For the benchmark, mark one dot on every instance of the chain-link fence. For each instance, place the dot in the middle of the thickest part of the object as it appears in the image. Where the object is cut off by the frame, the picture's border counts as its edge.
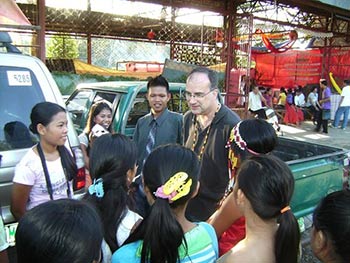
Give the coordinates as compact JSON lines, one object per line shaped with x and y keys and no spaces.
{"x":111,"y":39}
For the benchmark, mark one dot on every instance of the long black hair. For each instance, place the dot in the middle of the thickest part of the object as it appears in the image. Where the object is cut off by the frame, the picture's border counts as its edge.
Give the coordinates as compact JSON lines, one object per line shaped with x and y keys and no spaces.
{"x":268,"y":184}
{"x":42,"y":113}
{"x":332,"y":216}
{"x":95,"y":110}
{"x":64,"y":230}
{"x":111,"y":156}
{"x":160,"y":231}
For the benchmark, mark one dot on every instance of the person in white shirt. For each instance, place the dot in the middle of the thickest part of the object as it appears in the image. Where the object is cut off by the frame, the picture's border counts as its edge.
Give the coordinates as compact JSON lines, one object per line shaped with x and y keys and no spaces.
{"x":312,"y":104}
{"x":299,"y":99}
{"x":344,"y":106}
{"x":40,"y":179}
{"x":255,"y":103}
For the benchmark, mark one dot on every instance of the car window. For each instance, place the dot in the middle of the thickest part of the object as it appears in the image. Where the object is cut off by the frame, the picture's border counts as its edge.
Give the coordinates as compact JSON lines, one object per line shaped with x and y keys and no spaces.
{"x":78,"y":106}
{"x":107,"y":97}
{"x":19,"y":92}
{"x":178,"y":103}
{"x":139,"y":109}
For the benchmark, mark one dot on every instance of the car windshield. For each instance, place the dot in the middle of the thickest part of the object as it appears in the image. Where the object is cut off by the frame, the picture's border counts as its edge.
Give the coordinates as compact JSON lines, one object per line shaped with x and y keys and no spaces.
{"x":19,"y":92}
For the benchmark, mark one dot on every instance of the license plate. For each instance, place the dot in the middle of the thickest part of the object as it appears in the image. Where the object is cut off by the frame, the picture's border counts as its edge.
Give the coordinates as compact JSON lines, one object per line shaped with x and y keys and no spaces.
{"x":10,"y":233}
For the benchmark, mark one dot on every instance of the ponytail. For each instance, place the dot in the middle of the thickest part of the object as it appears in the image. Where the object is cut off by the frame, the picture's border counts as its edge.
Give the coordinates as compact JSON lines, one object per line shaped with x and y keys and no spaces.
{"x":268,"y":184}
{"x":163,"y":234}
{"x":111,"y":204}
{"x":111,"y":157}
{"x":287,"y":238}
{"x":171,"y":185}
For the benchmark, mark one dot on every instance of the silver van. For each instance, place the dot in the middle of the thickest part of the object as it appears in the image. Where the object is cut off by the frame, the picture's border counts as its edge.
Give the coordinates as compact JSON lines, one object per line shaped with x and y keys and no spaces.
{"x":24,"y":81}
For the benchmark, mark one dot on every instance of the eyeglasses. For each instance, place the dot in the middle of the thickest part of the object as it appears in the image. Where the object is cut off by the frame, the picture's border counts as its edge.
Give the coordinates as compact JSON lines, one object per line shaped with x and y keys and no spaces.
{"x":196,"y":95}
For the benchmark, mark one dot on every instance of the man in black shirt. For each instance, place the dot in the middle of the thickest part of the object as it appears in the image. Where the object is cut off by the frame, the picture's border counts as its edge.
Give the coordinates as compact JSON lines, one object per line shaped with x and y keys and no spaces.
{"x":207,"y":129}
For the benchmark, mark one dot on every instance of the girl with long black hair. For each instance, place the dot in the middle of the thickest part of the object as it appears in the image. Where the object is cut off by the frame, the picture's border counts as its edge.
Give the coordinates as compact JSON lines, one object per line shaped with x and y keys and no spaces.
{"x":170,"y":176}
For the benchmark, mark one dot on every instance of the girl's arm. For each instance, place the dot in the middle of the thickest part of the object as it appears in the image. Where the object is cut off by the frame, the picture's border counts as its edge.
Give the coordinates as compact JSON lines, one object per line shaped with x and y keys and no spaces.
{"x":225,"y":216}
{"x":19,"y":199}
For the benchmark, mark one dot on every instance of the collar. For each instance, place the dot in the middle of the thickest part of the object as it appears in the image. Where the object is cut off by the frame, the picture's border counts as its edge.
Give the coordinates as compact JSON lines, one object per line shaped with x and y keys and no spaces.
{"x":220,"y":114}
{"x":160,"y":119}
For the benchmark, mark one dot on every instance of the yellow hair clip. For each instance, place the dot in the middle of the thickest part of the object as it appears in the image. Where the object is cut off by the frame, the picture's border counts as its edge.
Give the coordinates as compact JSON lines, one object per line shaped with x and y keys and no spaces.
{"x":176,"y":187}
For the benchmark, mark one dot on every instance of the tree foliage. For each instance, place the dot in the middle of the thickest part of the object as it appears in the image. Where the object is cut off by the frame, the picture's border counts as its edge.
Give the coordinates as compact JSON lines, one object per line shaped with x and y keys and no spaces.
{"x":62,"y":47}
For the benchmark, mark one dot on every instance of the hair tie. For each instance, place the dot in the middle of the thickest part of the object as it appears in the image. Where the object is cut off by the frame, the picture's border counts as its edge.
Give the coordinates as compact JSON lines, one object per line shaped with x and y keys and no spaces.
{"x":97,"y":188}
{"x":285,"y":209}
{"x":176,"y":187}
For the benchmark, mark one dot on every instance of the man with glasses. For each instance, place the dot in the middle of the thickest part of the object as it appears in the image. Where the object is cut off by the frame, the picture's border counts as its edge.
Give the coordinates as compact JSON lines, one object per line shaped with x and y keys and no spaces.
{"x":207,"y":129}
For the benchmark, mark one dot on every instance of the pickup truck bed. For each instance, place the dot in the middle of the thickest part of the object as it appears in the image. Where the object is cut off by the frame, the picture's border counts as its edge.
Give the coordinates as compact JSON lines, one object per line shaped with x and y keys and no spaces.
{"x":318,"y":170}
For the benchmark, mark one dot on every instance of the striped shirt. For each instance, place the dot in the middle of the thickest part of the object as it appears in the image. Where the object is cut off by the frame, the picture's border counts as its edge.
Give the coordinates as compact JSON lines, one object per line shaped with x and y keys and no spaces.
{"x":202,"y":247}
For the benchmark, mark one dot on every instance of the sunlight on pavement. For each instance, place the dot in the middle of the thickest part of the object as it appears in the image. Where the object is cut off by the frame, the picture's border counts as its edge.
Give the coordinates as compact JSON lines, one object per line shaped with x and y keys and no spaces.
{"x":316,"y":136}
{"x":291,"y":130}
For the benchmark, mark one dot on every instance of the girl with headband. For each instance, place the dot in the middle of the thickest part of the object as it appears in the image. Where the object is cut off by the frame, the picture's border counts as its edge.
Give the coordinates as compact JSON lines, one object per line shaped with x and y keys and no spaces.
{"x":263,"y":190}
{"x":170,"y":176}
{"x":250,"y":137}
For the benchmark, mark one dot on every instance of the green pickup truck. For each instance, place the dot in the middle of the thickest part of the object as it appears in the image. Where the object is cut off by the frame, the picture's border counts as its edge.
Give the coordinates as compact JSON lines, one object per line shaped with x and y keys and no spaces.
{"x":318,"y":169}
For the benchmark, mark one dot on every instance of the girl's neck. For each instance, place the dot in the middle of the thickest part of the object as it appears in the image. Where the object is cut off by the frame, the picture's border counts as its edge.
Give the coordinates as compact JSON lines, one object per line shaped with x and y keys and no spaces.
{"x":257,"y":227}
{"x":50,"y":151}
{"x":260,"y":238}
{"x":261,"y":231}
{"x":181,"y":218}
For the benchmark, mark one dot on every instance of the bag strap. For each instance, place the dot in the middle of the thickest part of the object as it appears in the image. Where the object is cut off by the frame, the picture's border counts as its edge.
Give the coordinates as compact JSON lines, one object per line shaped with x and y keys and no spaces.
{"x":64,"y":166}
{"x":47,"y":177}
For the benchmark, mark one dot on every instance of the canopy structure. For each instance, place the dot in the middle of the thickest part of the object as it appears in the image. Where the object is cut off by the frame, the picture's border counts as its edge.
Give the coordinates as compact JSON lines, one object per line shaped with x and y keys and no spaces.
{"x":11,"y":14}
{"x":327,"y":22}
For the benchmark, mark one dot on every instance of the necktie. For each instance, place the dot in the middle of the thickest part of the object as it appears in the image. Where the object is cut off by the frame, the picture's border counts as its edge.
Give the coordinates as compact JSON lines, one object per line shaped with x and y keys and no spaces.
{"x":151,"y":138}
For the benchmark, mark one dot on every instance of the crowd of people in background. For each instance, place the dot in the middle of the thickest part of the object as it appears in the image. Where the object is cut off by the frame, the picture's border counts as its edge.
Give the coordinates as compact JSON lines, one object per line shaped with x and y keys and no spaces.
{"x":203,"y":187}
{"x":296,"y":104}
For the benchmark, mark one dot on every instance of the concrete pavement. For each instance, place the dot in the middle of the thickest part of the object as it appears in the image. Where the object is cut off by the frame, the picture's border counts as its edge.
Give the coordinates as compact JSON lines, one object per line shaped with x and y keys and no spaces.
{"x":305,"y":132}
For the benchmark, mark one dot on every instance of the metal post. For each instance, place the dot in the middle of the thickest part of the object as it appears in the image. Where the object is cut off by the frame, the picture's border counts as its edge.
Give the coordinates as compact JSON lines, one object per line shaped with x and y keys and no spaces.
{"x":89,"y":49}
{"x":172,"y":33}
{"x":89,"y":42}
{"x":202,"y":40}
{"x":231,"y":17}
{"x":41,"y":32}
{"x":249,"y":60}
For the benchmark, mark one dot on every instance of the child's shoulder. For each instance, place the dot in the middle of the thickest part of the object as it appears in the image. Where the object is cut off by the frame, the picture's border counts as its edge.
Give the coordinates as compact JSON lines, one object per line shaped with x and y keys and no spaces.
{"x":128,"y":253}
